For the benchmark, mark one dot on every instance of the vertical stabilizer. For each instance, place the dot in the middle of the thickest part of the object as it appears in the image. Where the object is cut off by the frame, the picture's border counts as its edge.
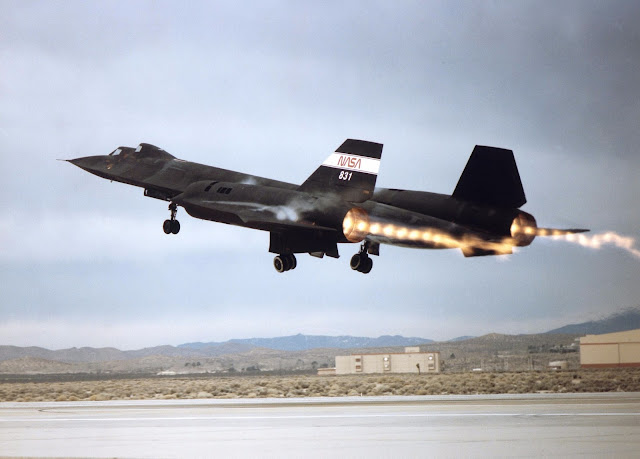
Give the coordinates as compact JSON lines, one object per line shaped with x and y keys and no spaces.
{"x":491,"y":178}
{"x":350,"y":172}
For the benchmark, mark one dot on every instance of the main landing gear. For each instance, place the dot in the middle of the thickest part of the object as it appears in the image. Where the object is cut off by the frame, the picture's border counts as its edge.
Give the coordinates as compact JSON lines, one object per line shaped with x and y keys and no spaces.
{"x":361,"y":261}
{"x":172,"y":226}
{"x":284,"y":263}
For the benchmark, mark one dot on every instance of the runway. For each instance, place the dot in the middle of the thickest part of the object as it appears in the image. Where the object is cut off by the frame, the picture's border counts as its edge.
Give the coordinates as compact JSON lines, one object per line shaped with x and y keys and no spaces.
{"x":591,"y":425}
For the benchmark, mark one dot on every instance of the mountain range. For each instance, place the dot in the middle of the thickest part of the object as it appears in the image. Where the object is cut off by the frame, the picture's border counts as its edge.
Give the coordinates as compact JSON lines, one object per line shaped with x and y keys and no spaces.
{"x":297,"y":342}
{"x":302,"y":342}
{"x":625,"y":320}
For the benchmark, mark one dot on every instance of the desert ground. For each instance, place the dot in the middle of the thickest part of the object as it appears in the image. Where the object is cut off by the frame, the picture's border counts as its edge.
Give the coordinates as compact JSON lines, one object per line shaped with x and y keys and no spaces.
{"x":255,"y":386}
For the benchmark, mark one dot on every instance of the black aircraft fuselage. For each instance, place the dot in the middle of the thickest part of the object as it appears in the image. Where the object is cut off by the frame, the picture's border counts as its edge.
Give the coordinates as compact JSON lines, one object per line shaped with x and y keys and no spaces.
{"x":339,"y":203}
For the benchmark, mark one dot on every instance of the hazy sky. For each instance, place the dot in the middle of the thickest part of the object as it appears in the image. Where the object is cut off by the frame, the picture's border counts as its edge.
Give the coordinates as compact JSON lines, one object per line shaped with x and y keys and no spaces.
{"x":272,"y":88}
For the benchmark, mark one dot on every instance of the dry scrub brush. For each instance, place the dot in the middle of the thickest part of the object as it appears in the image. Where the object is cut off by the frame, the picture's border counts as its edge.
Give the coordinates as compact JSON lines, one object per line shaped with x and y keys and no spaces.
{"x":627,"y":380}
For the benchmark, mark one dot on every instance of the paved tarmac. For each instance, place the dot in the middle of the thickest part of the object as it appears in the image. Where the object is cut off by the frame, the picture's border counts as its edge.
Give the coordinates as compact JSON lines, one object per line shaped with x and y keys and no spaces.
{"x":559,"y":425}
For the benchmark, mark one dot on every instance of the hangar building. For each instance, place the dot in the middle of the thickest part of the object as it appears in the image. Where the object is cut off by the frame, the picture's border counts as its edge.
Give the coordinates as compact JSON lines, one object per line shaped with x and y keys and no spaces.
{"x":411,"y":361}
{"x":621,"y":349}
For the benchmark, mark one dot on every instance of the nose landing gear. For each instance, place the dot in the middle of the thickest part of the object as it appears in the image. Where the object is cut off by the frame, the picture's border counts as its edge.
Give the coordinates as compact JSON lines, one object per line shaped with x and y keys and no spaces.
{"x":172,"y":226}
{"x":284,"y":263}
{"x":361,"y":261}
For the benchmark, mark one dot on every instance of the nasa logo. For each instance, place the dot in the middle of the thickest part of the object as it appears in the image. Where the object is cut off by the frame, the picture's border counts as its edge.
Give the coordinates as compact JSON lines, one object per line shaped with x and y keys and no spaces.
{"x":350,"y":161}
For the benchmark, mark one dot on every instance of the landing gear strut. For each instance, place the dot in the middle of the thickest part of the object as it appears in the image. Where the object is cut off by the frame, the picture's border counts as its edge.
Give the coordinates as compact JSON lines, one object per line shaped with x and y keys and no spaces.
{"x":360,"y":261}
{"x":172,"y":226}
{"x":284,"y":263}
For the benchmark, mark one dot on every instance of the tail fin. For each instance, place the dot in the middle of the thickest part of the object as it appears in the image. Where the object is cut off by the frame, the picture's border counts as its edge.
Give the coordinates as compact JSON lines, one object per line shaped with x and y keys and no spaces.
{"x":350,"y":172}
{"x":491,"y":177}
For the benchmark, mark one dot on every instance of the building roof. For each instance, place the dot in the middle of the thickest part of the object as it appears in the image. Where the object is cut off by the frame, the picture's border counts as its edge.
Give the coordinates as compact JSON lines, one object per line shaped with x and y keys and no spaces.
{"x":394,"y":353}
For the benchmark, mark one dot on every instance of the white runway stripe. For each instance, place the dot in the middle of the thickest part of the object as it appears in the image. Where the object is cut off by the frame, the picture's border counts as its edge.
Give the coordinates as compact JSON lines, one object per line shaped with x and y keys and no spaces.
{"x":322,"y":416}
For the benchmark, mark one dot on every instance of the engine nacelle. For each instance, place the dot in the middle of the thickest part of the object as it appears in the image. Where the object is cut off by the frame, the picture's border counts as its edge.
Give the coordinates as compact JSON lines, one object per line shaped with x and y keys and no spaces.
{"x":355,"y":225}
{"x":523,"y":229}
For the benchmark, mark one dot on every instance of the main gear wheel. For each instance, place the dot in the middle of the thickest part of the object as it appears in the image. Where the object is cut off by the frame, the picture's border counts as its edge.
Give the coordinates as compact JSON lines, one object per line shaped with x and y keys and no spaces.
{"x":361,"y":261}
{"x":172,"y":226}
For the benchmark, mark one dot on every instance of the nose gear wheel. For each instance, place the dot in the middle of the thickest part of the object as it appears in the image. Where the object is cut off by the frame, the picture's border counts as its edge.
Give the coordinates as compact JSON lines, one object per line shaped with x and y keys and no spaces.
{"x":284,"y":263}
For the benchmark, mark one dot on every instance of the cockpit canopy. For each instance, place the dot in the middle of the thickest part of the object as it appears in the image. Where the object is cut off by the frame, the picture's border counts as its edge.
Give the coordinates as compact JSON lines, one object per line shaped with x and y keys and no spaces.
{"x":144,"y":150}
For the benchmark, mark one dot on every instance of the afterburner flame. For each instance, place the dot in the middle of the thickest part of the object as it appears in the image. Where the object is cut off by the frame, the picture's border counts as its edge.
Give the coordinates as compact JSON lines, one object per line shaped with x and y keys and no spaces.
{"x":597,"y":241}
{"x":355,"y":225}
{"x":523,"y":229}
{"x":430,"y":236}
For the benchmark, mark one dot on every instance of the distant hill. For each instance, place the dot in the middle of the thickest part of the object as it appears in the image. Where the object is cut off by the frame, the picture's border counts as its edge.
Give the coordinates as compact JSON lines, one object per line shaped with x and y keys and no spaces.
{"x":628,"y":319}
{"x":83,"y":354}
{"x":460,"y":338}
{"x":493,"y":352}
{"x":34,"y":365}
{"x":497,"y":342}
{"x":302,"y":342}
{"x":302,"y":351}
{"x":90,"y":354}
{"x":207,"y":350}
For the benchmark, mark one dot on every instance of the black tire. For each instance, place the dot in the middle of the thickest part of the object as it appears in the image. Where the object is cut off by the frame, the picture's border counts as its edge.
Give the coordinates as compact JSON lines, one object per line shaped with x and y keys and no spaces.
{"x":366,"y":266}
{"x":175,"y":226}
{"x":286,"y":259}
{"x":166,"y":227}
{"x":356,"y":262}
{"x":293,"y":261}
{"x":279,"y":264}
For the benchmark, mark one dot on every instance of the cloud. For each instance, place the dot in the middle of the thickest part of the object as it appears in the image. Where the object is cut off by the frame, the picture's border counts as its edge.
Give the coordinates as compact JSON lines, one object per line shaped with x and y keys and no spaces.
{"x":273,"y":93}
{"x":98,"y":236}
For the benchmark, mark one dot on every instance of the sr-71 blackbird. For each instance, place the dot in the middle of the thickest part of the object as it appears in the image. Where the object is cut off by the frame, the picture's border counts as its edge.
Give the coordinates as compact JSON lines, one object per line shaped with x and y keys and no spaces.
{"x":339,"y":203}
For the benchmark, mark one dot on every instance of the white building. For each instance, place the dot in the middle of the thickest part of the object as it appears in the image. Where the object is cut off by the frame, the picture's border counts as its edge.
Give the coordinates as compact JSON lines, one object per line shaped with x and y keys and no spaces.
{"x":621,"y":349}
{"x":411,"y":361}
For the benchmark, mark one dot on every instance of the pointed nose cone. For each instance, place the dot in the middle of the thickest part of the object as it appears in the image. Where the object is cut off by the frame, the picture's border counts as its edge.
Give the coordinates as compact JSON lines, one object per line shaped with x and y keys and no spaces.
{"x":80,"y":162}
{"x":94,"y":164}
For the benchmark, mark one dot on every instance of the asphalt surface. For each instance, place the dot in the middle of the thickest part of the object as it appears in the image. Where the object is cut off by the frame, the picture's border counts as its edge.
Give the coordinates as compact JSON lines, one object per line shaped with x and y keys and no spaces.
{"x":559,"y":425}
